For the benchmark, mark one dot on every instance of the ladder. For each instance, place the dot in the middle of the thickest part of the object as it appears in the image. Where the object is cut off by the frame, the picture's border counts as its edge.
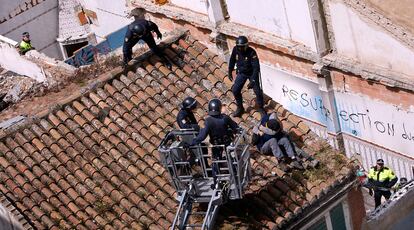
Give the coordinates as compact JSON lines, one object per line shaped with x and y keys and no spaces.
{"x":184,"y":211}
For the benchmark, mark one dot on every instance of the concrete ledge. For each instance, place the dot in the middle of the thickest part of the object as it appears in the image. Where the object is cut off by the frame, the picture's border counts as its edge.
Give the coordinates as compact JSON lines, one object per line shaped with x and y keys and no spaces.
{"x":176,"y":13}
{"x":384,"y":76}
{"x":268,"y":40}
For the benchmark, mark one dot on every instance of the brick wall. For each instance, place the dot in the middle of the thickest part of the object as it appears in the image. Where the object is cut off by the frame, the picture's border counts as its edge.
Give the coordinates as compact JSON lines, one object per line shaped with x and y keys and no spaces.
{"x":355,"y":84}
{"x":356,"y":207}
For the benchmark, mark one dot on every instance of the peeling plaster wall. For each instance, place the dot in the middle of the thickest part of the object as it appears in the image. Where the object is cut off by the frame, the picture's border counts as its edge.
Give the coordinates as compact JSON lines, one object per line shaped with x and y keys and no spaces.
{"x":194,"y":5}
{"x":111,"y":16}
{"x":289,"y":19}
{"x":41,"y":22}
{"x":366,"y":42}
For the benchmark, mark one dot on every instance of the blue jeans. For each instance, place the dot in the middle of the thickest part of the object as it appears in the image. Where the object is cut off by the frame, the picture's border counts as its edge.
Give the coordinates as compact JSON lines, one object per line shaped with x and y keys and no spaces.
{"x":273,"y":146}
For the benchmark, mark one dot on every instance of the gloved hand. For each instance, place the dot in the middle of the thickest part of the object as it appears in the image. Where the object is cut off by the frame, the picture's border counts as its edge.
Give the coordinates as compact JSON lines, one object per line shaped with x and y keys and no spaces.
{"x":370,"y":192}
{"x":231,"y":75}
{"x":159,"y":35}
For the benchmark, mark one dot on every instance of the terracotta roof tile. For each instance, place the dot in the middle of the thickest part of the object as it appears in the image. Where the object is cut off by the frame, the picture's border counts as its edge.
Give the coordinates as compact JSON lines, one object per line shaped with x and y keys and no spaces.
{"x":88,"y":167}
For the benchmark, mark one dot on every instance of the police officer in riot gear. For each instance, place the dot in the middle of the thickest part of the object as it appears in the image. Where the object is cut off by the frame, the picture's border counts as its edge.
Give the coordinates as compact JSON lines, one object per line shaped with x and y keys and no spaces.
{"x":142,"y":29}
{"x":185,"y":117}
{"x":248,"y":67}
{"x":220,"y":128}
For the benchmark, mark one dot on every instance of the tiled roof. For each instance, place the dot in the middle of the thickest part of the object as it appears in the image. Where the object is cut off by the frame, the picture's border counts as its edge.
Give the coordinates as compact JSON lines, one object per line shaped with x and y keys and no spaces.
{"x":91,"y":162}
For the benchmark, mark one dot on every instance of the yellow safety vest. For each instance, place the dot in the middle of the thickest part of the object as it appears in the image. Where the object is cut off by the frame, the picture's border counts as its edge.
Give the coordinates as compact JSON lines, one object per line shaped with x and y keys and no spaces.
{"x":381,"y":176}
{"x":25,"y":46}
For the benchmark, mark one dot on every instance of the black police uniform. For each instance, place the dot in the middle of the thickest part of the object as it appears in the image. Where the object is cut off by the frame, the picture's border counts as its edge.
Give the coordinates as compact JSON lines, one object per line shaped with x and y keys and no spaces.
{"x":217,"y":128}
{"x":186,"y":120}
{"x":130,"y":40}
{"x":248,"y":67}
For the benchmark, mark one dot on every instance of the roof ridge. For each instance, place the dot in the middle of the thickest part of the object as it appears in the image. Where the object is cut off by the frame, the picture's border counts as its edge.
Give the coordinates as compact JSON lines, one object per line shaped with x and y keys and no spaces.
{"x":369,"y":12}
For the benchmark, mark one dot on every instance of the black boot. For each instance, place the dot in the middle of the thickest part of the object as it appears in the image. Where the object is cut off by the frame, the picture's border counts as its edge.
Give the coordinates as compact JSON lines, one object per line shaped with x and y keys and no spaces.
{"x":239,"y":111}
{"x":261,"y":111}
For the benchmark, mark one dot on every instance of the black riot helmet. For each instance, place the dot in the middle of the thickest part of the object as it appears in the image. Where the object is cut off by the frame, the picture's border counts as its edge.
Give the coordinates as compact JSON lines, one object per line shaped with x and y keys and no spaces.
{"x":189,"y":103}
{"x":242,"y":43}
{"x":138,"y":30}
{"x":214,"y":107}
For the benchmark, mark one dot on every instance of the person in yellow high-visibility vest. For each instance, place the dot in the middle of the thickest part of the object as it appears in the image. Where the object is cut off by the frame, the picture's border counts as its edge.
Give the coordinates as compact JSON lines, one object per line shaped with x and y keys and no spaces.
{"x":25,"y":44}
{"x":381,"y":179}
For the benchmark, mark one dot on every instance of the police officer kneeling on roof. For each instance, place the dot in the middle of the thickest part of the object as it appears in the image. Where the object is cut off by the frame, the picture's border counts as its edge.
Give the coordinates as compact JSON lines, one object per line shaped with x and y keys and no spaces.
{"x":221,"y":129}
{"x":185,"y":117}
{"x":142,"y":29}
{"x":269,"y":137}
{"x":248,"y":67}
{"x":381,"y":179}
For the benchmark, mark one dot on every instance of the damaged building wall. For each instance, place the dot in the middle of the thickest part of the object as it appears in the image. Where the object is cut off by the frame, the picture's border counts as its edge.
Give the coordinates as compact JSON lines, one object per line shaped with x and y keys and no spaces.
{"x":287,"y":19}
{"x":40,"y":20}
{"x":362,"y":40}
{"x":292,"y":75}
{"x":106,"y":16}
{"x":195,"y":5}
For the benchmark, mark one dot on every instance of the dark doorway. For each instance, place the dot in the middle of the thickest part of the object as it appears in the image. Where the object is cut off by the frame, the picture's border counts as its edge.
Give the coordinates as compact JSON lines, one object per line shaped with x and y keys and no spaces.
{"x":70,"y":49}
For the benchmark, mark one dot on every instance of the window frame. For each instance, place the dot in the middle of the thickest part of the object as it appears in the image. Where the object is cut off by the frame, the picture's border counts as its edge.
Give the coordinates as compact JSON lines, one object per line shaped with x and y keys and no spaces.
{"x":327,"y":217}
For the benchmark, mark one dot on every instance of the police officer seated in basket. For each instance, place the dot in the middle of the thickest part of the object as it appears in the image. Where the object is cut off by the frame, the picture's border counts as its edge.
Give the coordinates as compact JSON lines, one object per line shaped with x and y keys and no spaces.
{"x":221,"y":129}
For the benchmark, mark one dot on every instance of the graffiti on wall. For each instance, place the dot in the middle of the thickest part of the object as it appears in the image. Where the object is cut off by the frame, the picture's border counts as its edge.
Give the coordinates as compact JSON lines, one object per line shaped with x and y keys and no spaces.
{"x":300,"y":96}
{"x":89,"y":54}
{"x":384,"y":124}
{"x":376,"y":122}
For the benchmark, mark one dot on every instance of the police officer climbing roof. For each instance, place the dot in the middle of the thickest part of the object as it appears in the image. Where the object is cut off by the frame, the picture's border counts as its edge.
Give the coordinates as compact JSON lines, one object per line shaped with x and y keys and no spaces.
{"x":185,"y":117}
{"x":381,"y":179}
{"x":142,"y":29}
{"x":248,"y":67}
{"x":218,"y":126}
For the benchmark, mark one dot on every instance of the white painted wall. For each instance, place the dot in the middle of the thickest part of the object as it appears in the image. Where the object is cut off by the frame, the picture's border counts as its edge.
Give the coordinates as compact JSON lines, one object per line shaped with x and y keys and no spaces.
{"x":194,"y":5}
{"x":289,"y":19}
{"x":11,"y":60}
{"x":297,"y":94}
{"x":111,"y":16}
{"x":366,"y":42}
{"x":372,"y":129}
{"x":377,"y":122}
{"x":41,"y":22}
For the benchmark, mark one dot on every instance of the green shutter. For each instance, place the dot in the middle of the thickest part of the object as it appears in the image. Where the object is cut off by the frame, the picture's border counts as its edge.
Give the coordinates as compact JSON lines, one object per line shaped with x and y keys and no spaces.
{"x":319,"y":225}
{"x":338,"y":218}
